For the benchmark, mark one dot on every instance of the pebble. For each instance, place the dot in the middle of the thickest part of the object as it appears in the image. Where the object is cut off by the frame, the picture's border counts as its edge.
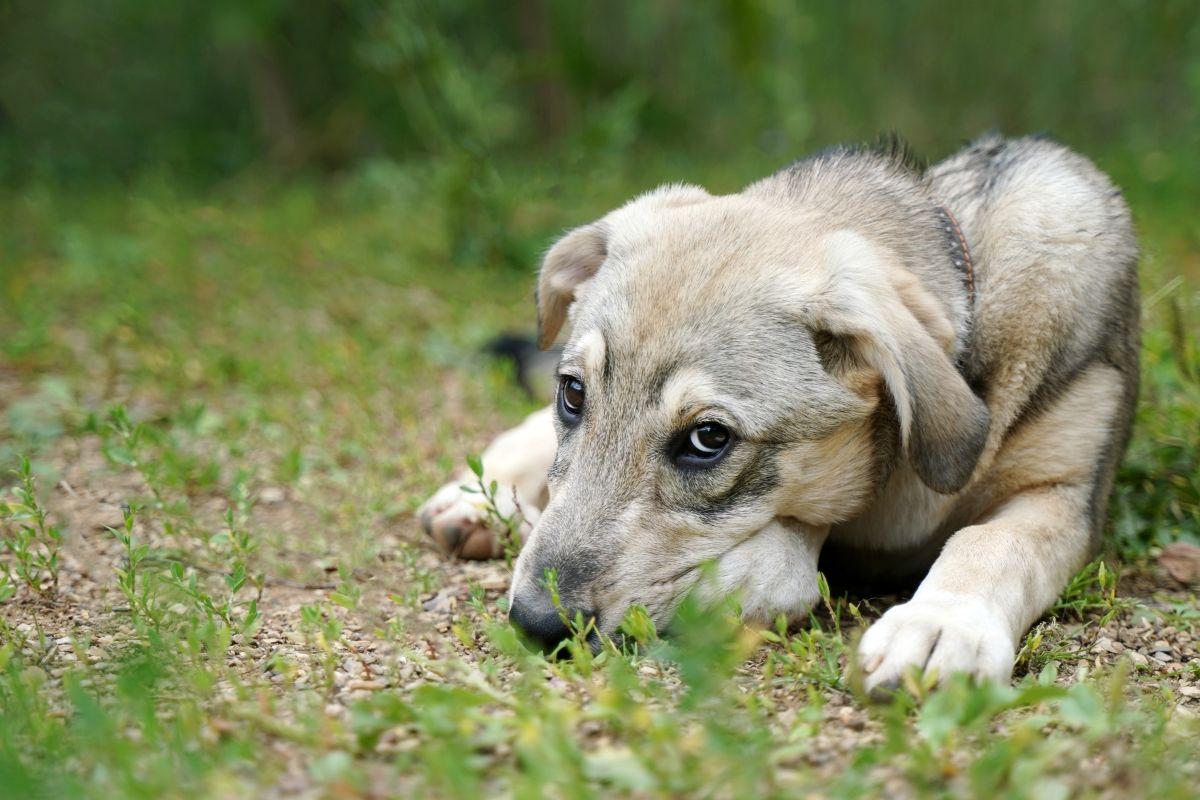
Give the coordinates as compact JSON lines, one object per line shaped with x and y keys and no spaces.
{"x":365,"y":686}
{"x":270,"y":495}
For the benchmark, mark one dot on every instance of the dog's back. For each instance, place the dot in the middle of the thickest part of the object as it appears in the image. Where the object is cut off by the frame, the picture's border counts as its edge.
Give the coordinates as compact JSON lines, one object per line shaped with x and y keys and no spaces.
{"x":1056,"y":276}
{"x":1052,"y":346}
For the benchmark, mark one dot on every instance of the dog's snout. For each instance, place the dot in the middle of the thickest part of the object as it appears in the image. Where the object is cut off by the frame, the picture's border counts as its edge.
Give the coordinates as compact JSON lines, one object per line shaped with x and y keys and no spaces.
{"x":535,"y":616}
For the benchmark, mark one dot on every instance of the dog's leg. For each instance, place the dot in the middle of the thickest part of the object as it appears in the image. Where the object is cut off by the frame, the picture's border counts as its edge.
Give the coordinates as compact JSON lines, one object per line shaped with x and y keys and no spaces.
{"x":987,"y":587}
{"x":993,"y":579}
{"x":458,"y":521}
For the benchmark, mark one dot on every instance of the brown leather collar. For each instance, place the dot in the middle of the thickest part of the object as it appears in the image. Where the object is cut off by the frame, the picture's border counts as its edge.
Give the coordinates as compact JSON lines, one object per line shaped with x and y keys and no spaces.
{"x":963,"y":259}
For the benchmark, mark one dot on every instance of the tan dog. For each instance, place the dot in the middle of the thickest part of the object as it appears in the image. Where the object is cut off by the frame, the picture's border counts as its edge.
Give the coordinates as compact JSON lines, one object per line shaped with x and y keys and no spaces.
{"x":907,"y":373}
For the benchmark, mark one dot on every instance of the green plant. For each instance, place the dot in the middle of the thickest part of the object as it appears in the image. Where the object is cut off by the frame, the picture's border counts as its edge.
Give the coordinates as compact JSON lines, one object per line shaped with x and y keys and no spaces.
{"x":31,"y":543}
{"x":139,"y":586}
{"x":322,"y":630}
{"x":508,"y":525}
{"x":1092,"y":591}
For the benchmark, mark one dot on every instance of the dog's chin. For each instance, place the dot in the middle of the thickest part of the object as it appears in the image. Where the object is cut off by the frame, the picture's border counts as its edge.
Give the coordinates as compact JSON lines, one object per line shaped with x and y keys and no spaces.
{"x":772,"y":573}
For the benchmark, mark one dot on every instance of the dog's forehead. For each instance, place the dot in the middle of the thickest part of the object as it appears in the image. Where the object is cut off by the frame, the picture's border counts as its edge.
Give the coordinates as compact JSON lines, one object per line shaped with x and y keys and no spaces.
{"x":728,"y":222}
{"x":720,"y":259}
{"x":698,"y":306}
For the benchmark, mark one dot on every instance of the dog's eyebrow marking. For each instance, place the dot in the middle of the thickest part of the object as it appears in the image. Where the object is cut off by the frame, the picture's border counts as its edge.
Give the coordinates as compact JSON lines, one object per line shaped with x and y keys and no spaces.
{"x":659,"y":380}
{"x":590,"y":353}
{"x":687,"y":389}
{"x":686,"y":386}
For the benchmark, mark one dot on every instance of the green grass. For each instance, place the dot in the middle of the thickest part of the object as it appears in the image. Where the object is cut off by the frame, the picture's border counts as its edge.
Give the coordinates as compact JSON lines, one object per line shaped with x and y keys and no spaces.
{"x":232,"y":403}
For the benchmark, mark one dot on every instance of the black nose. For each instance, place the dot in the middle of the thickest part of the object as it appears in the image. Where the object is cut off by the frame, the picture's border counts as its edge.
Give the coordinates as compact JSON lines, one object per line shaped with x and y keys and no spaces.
{"x":535,"y":616}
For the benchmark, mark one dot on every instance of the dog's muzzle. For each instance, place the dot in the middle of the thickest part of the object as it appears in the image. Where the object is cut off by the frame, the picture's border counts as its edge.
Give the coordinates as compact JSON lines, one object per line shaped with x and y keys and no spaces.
{"x":533,"y":614}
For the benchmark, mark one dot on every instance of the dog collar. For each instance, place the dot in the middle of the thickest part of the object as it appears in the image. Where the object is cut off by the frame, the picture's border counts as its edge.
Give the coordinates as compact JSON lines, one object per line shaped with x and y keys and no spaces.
{"x":962,"y":258}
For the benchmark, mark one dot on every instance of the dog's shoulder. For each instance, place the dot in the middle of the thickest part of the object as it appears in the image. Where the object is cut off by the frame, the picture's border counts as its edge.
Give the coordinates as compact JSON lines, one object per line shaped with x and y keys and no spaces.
{"x":1056,"y":270}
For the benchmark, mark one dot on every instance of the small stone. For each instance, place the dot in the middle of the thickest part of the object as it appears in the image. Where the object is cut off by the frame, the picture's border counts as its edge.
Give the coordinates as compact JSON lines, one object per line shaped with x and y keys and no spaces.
{"x":1181,"y":560}
{"x":441,"y":603}
{"x":850,"y":718}
{"x":271,"y":495}
{"x":364,"y":686}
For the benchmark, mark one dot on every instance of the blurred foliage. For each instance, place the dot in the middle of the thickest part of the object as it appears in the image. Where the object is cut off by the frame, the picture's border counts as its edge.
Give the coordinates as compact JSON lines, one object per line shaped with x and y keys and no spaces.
{"x":206,"y":89}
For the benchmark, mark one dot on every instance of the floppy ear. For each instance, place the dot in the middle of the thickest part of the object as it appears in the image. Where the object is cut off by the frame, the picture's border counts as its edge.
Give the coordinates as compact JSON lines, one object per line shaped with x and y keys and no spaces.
{"x":899,"y":329}
{"x":575,"y":258}
{"x":572,"y":260}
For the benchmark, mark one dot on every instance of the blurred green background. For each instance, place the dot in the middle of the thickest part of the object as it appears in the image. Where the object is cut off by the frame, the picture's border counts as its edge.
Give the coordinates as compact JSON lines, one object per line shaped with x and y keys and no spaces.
{"x":205,"y":89}
{"x":487,"y":105}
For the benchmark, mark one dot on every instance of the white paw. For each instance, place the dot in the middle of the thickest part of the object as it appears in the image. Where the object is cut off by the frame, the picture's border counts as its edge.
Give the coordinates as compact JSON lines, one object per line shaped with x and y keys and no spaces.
{"x":459,"y":523}
{"x":949,"y":633}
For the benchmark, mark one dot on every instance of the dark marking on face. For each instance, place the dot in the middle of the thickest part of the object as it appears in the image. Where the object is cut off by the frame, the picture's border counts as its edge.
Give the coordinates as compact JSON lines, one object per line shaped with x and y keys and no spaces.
{"x":659,"y":379}
{"x":607,"y":370}
{"x":759,"y":476}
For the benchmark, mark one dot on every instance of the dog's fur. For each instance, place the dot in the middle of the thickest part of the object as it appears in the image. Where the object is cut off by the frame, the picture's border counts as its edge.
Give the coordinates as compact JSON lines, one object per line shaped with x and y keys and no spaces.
{"x":888,"y":416}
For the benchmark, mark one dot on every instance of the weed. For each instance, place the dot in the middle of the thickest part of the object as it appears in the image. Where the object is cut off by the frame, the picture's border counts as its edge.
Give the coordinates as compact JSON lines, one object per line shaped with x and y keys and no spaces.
{"x":1091,"y":592}
{"x":322,"y":630}
{"x":507,"y":525}
{"x":139,"y":587}
{"x":31,"y":543}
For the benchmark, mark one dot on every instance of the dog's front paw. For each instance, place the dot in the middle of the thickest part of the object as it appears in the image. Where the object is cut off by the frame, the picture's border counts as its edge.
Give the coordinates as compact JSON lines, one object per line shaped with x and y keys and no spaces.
{"x":461,"y":527}
{"x":949,"y":633}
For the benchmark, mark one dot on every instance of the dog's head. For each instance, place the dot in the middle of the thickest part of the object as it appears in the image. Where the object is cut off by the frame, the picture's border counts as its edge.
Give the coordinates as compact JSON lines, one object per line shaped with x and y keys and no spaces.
{"x":741,"y":373}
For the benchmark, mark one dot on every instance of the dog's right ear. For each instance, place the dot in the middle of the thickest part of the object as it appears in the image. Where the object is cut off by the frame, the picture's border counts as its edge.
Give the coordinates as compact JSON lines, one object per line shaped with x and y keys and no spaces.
{"x":575,"y":258}
{"x":572,"y":261}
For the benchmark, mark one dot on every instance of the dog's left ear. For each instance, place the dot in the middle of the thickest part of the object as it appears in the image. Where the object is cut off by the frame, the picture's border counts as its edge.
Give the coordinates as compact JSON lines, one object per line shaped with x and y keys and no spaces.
{"x":893,"y":324}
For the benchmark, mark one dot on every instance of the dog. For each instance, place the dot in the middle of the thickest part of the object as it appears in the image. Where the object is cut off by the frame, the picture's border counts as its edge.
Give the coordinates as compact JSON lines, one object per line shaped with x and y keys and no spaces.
{"x":903,"y":372}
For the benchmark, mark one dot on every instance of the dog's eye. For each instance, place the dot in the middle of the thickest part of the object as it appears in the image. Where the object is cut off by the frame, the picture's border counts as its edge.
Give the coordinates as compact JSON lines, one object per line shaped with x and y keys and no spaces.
{"x":570,"y":398}
{"x":704,"y":444}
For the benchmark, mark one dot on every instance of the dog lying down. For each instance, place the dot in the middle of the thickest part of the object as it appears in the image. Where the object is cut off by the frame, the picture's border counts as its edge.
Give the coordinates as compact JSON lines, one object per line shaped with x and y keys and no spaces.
{"x":911,"y":374}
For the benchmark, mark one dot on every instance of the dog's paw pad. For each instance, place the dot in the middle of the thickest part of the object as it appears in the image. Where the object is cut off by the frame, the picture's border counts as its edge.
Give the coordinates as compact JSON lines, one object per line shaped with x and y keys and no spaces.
{"x":949,"y":634}
{"x":458,"y":523}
